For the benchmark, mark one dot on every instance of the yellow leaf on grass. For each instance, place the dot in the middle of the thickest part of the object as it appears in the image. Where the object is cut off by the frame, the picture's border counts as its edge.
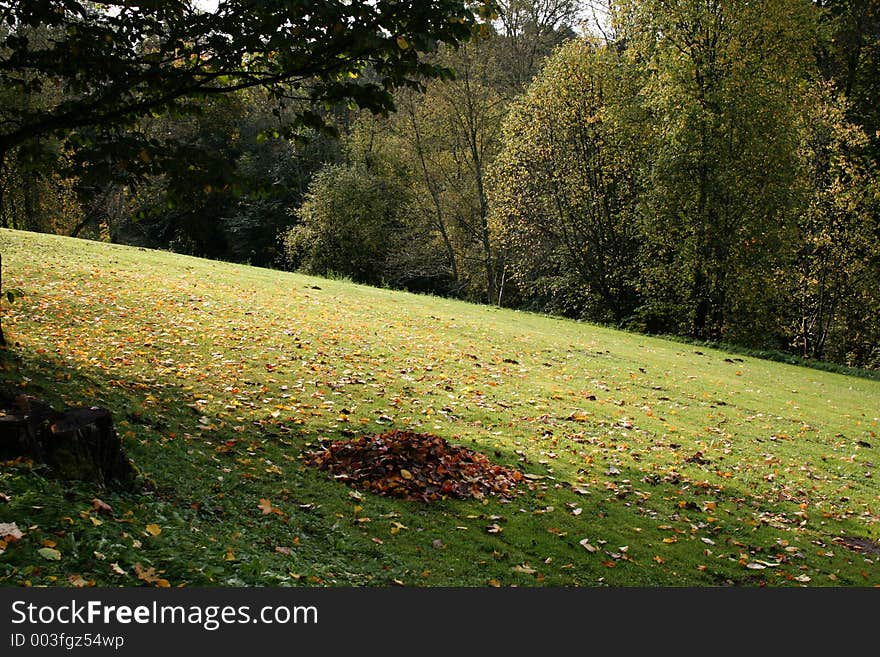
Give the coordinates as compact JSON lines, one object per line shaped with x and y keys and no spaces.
{"x":51,"y":554}
{"x":153,"y":529}
{"x":266,"y":507}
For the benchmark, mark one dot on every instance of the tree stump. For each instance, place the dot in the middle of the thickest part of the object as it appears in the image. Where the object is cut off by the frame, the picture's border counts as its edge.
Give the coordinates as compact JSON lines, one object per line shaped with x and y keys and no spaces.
{"x":79,"y":444}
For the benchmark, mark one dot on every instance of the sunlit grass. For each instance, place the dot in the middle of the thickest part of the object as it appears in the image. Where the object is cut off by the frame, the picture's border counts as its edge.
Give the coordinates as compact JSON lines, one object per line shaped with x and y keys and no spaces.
{"x":650,"y":462}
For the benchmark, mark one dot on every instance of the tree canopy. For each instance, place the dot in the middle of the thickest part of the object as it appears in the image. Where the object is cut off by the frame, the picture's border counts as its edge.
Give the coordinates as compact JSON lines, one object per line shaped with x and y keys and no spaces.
{"x":117,"y":61}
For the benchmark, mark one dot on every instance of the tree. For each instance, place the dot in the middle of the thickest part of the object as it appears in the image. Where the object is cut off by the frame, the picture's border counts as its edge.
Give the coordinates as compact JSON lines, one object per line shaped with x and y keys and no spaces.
{"x":351,"y":223}
{"x":119,"y":61}
{"x":717,"y":81}
{"x":849,"y":55}
{"x":564,"y":187}
{"x":529,"y":31}
{"x":834,"y":274}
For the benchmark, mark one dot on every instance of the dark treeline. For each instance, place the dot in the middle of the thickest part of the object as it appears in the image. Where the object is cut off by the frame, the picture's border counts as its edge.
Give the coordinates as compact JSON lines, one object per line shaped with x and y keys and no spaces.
{"x":699,"y":168}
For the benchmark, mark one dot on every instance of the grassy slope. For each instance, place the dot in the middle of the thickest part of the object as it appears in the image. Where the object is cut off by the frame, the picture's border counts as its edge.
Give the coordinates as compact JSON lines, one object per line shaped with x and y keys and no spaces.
{"x":679,"y":467}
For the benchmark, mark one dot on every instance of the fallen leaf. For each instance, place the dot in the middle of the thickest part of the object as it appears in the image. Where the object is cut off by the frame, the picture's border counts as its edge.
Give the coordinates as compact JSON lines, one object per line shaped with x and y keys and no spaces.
{"x":102,"y":507}
{"x":803,"y":578}
{"x":525,"y":569}
{"x":51,"y":554}
{"x":153,"y":529}
{"x":230,"y":554}
{"x":587,"y":546}
{"x":494,"y":528}
{"x":149,"y":576}
{"x":79,"y":582}
{"x":755,"y":566}
{"x":114,"y":567}
{"x":9,"y":531}
{"x":266,"y":507}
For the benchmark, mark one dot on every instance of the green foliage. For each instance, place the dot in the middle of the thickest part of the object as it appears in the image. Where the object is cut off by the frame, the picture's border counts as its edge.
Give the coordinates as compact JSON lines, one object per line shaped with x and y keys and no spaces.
{"x":350,"y":224}
{"x":718,"y":82}
{"x":115,"y":66}
{"x":692,"y":177}
{"x":564,"y":189}
{"x":834,"y":275}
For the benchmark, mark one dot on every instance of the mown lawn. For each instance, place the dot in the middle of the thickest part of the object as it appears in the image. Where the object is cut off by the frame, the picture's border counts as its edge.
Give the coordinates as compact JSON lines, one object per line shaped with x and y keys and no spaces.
{"x":648,"y":462}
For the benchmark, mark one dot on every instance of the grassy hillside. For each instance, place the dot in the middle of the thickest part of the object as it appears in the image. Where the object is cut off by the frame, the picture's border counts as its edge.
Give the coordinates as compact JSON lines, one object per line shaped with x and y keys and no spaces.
{"x":648,"y":462}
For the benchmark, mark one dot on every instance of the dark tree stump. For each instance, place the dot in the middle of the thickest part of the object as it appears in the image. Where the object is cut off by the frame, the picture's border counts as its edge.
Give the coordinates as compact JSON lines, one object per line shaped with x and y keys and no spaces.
{"x":79,"y":443}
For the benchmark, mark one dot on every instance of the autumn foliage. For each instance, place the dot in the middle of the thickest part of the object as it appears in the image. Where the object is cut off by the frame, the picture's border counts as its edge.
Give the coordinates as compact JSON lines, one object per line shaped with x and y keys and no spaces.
{"x":414,"y":466}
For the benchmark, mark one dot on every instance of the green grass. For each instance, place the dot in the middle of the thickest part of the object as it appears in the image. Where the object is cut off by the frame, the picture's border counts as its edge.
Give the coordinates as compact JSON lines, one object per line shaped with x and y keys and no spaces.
{"x":679,"y":465}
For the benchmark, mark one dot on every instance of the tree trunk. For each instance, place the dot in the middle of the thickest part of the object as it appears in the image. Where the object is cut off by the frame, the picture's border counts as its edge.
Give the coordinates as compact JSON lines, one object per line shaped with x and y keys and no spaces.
{"x":77,"y":444}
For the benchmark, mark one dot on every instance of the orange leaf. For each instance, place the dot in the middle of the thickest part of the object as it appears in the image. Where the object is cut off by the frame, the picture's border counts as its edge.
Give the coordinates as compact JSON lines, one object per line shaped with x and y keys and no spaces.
{"x":102,"y":507}
{"x":79,"y":582}
{"x":266,"y":506}
{"x":149,"y":576}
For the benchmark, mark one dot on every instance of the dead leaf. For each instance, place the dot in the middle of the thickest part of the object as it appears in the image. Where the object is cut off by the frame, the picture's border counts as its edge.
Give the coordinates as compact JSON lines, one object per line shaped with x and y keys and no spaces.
{"x":587,"y":546}
{"x":525,"y":569}
{"x":115,"y":568}
{"x":102,"y":507}
{"x":9,"y":531}
{"x":266,"y":506}
{"x":50,"y":554}
{"x":494,"y":528}
{"x":153,"y":529}
{"x":149,"y":576}
{"x":79,"y":582}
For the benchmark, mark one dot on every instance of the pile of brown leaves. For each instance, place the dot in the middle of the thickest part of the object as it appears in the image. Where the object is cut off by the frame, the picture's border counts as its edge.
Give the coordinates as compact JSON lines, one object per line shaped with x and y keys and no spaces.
{"x":414,"y":466}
